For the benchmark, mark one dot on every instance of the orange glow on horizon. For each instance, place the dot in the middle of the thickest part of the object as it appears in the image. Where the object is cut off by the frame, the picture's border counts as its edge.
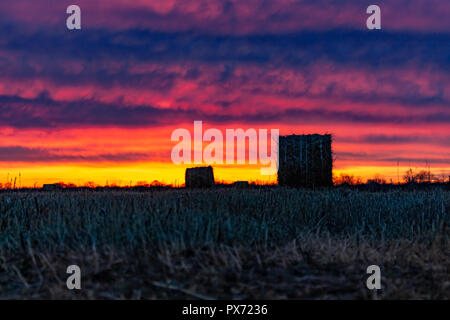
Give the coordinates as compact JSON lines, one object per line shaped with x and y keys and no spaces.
{"x":170,"y":174}
{"x":124,"y":156}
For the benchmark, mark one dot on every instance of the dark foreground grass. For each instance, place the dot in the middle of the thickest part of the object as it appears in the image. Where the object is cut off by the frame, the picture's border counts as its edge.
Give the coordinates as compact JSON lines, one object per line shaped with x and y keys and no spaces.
{"x":270,"y":243}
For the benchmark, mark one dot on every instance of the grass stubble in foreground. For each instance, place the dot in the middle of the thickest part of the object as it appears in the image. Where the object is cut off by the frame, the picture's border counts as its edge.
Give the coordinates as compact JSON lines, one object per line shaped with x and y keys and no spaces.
{"x":268,"y":243}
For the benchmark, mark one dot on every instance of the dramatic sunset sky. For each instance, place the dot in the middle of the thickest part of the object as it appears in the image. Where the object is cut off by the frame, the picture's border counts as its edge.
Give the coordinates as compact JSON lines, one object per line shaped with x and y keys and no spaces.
{"x":100,"y":104}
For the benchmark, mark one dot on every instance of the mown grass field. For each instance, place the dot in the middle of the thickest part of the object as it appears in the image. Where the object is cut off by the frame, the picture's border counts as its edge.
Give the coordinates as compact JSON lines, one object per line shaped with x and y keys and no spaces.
{"x":267,"y":243}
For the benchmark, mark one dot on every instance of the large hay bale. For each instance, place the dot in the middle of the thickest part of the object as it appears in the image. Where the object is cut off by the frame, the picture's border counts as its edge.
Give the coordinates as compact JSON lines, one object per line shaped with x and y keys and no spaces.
{"x":305,"y":161}
{"x":199,"y":177}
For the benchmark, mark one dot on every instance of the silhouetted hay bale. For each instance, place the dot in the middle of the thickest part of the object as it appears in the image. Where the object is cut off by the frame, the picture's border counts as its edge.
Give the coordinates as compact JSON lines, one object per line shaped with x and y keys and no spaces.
{"x":51,"y":187}
{"x":305,"y":161}
{"x":241,"y":184}
{"x":200,"y":177}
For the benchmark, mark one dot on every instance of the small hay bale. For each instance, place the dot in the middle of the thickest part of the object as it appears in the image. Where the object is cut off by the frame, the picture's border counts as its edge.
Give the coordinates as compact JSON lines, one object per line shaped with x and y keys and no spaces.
{"x":241,"y":184}
{"x":199,"y":177}
{"x":51,"y":187}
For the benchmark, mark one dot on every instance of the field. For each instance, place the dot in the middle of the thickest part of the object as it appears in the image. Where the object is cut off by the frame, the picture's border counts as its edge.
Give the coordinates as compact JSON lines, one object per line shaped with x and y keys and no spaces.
{"x":260,"y":243}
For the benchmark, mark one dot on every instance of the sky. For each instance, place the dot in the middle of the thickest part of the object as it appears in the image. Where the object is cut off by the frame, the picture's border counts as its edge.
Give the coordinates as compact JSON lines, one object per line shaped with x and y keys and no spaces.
{"x":99,"y":104}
